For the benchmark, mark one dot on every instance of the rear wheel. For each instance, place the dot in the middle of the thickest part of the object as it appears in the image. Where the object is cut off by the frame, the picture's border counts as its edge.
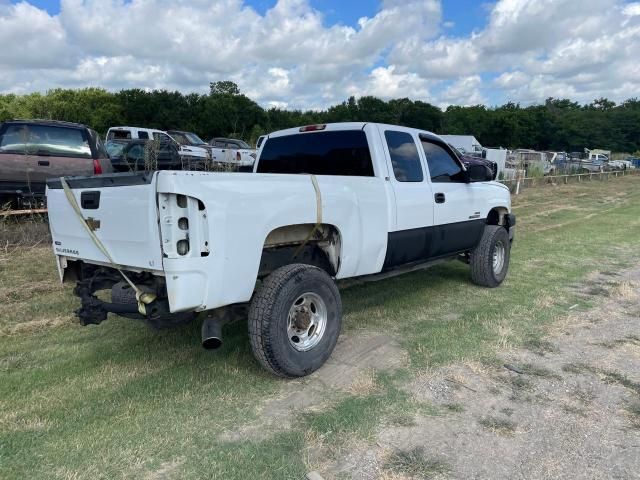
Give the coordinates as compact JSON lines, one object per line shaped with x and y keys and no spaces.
{"x":294,"y":320}
{"x":490,"y":259}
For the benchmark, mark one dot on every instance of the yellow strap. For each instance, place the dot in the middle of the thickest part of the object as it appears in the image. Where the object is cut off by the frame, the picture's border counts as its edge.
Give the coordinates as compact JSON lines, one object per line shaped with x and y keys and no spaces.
{"x":316,"y":187}
{"x":143,"y":298}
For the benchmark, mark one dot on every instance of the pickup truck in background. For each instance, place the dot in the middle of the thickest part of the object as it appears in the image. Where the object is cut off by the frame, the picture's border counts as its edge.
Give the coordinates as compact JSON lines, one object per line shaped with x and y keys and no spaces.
{"x":235,"y":151}
{"x":325,"y":202}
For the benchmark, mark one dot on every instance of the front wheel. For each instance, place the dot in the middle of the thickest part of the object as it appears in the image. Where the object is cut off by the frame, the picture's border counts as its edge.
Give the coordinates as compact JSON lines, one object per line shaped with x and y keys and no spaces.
{"x":490,"y":259}
{"x":294,"y":320}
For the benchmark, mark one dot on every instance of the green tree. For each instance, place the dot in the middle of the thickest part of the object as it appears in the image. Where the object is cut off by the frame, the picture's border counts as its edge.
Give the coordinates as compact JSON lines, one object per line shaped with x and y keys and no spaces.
{"x":225,"y":87}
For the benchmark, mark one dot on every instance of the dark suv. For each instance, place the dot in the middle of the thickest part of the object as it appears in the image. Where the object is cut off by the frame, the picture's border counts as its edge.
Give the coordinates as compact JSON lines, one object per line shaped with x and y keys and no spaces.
{"x":31,"y":151}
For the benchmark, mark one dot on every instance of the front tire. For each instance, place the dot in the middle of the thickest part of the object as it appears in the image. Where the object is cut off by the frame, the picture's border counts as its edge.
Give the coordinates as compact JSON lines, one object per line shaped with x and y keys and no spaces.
{"x":490,"y":259}
{"x":294,"y":320}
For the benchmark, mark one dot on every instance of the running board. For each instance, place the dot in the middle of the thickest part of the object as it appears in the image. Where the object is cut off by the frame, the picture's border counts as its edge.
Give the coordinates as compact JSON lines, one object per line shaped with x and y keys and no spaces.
{"x":374,"y":277}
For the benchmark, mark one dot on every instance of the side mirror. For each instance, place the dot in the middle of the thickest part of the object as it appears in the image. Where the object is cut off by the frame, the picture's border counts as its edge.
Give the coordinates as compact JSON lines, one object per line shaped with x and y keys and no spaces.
{"x":479,"y":173}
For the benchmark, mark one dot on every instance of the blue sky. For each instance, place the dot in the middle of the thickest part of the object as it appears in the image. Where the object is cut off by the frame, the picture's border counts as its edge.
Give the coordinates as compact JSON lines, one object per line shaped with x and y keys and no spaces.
{"x":476,"y":52}
{"x":466,"y":15}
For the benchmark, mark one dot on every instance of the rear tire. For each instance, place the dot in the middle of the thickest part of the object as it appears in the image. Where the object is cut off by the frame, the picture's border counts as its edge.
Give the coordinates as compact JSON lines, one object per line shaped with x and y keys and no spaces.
{"x":490,"y":259}
{"x":294,"y":320}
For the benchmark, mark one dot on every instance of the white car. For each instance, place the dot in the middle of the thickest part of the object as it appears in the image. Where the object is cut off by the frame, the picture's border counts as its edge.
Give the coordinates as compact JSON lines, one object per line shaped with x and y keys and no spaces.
{"x":325,"y":202}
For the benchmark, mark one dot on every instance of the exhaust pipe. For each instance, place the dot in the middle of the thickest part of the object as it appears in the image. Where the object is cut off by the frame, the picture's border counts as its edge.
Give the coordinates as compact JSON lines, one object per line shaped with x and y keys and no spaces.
{"x":211,"y":333}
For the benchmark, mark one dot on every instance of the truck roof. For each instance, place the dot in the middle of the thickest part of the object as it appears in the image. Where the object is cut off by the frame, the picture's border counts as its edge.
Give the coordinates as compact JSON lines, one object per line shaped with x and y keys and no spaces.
{"x":136,"y":129}
{"x":37,"y":121}
{"x":328,"y":127}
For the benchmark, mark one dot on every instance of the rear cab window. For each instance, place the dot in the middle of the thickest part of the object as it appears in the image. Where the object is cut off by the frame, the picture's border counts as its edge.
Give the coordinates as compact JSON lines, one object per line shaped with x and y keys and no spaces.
{"x":337,"y":152}
{"x":50,"y":140}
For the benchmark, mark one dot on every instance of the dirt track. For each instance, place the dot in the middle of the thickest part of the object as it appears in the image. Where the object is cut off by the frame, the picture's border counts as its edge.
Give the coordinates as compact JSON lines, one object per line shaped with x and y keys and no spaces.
{"x":573,"y":412}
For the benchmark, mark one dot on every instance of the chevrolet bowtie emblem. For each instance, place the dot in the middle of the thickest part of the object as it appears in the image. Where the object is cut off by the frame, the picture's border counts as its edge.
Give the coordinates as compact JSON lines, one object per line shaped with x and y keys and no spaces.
{"x":93,"y":224}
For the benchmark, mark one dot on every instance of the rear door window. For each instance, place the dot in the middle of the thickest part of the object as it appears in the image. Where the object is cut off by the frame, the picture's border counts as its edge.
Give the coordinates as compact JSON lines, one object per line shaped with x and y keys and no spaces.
{"x":119,"y":135}
{"x":342,"y":152}
{"x":143,"y":135}
{"x":405,"y":158}
{"x":45,"y":140}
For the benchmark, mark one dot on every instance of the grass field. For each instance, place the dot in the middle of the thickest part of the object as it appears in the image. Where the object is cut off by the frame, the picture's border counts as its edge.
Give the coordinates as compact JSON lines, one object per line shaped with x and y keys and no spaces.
{"x":120,"y":400}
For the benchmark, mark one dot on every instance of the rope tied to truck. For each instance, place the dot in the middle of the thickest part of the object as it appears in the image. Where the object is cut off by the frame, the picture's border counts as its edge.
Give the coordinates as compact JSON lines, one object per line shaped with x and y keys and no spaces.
{"x":143,"y":298}
{"x":316,"y":187}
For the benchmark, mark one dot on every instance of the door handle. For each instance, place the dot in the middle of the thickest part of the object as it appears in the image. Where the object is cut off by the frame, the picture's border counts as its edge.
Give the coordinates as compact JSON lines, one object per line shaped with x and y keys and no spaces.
{"x":440,"y":198}
{"x":43,"y":163}
{"x":90,"y":200}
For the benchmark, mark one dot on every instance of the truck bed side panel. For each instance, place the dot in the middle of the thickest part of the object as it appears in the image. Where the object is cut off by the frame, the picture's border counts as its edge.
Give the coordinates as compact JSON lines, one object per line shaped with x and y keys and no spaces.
{"x":242,"y":210}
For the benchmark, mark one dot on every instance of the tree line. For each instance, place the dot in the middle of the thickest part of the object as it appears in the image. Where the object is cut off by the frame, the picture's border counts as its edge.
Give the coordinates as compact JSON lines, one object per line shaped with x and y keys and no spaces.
{"x":558,"y":124}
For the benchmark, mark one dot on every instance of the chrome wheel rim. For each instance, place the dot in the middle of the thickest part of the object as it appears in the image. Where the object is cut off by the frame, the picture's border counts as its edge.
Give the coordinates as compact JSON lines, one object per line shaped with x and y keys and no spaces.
{"x":307,"y":322}
{"x":499,"y":253}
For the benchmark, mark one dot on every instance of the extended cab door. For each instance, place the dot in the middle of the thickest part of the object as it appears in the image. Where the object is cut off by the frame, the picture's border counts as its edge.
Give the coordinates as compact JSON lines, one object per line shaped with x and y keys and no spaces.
{"x":410,"y":241}
{"x":457,"y":213}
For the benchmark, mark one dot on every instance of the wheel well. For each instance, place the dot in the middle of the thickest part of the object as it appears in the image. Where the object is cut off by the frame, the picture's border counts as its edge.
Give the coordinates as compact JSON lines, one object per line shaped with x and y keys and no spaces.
{"x":497,"y":216}
{"x":302,"y":243}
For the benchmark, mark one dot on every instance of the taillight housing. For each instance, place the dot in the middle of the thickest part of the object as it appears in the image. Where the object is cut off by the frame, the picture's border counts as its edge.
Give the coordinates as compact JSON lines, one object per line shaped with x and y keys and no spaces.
{"x":97,"y":168}
{"x":238,"y":156}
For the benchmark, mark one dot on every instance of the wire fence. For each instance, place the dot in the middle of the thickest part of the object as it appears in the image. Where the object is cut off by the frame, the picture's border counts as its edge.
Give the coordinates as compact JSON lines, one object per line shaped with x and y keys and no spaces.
{"x":516,"y":185}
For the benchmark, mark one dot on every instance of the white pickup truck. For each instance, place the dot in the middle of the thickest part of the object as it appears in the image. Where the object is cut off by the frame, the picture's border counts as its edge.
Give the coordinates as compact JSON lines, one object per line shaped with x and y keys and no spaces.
{"x":324,"y":202}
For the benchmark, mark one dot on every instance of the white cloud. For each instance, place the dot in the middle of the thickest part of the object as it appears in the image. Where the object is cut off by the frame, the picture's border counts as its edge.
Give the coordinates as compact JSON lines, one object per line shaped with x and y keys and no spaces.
{"x":31,"y":38}
{"x":464,"y":91}
{"x":290,"y":57}
{"x":385,"y":83}
{"x":632,"y":10}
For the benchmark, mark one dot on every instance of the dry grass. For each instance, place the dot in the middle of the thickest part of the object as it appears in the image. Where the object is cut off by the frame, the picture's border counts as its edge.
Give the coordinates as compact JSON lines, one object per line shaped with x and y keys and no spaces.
{"x":32,"y":326}
{"x":626,"y":291}
{"x":365,"y":383}
{"x":24,"y":231}
{"x":497,"y":425}
{"x":415,"y":464}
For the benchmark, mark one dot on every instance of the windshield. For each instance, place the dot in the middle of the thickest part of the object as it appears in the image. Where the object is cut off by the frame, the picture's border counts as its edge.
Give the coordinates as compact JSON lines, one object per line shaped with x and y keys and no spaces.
{"x":194,"y":139}
{"x":186,"y":138}
{"x":180,"y":138}
{"x":232,"y":143}
{"x":456,"y":150}
{"x":45,"y":140}
{"x":242,"y":144}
